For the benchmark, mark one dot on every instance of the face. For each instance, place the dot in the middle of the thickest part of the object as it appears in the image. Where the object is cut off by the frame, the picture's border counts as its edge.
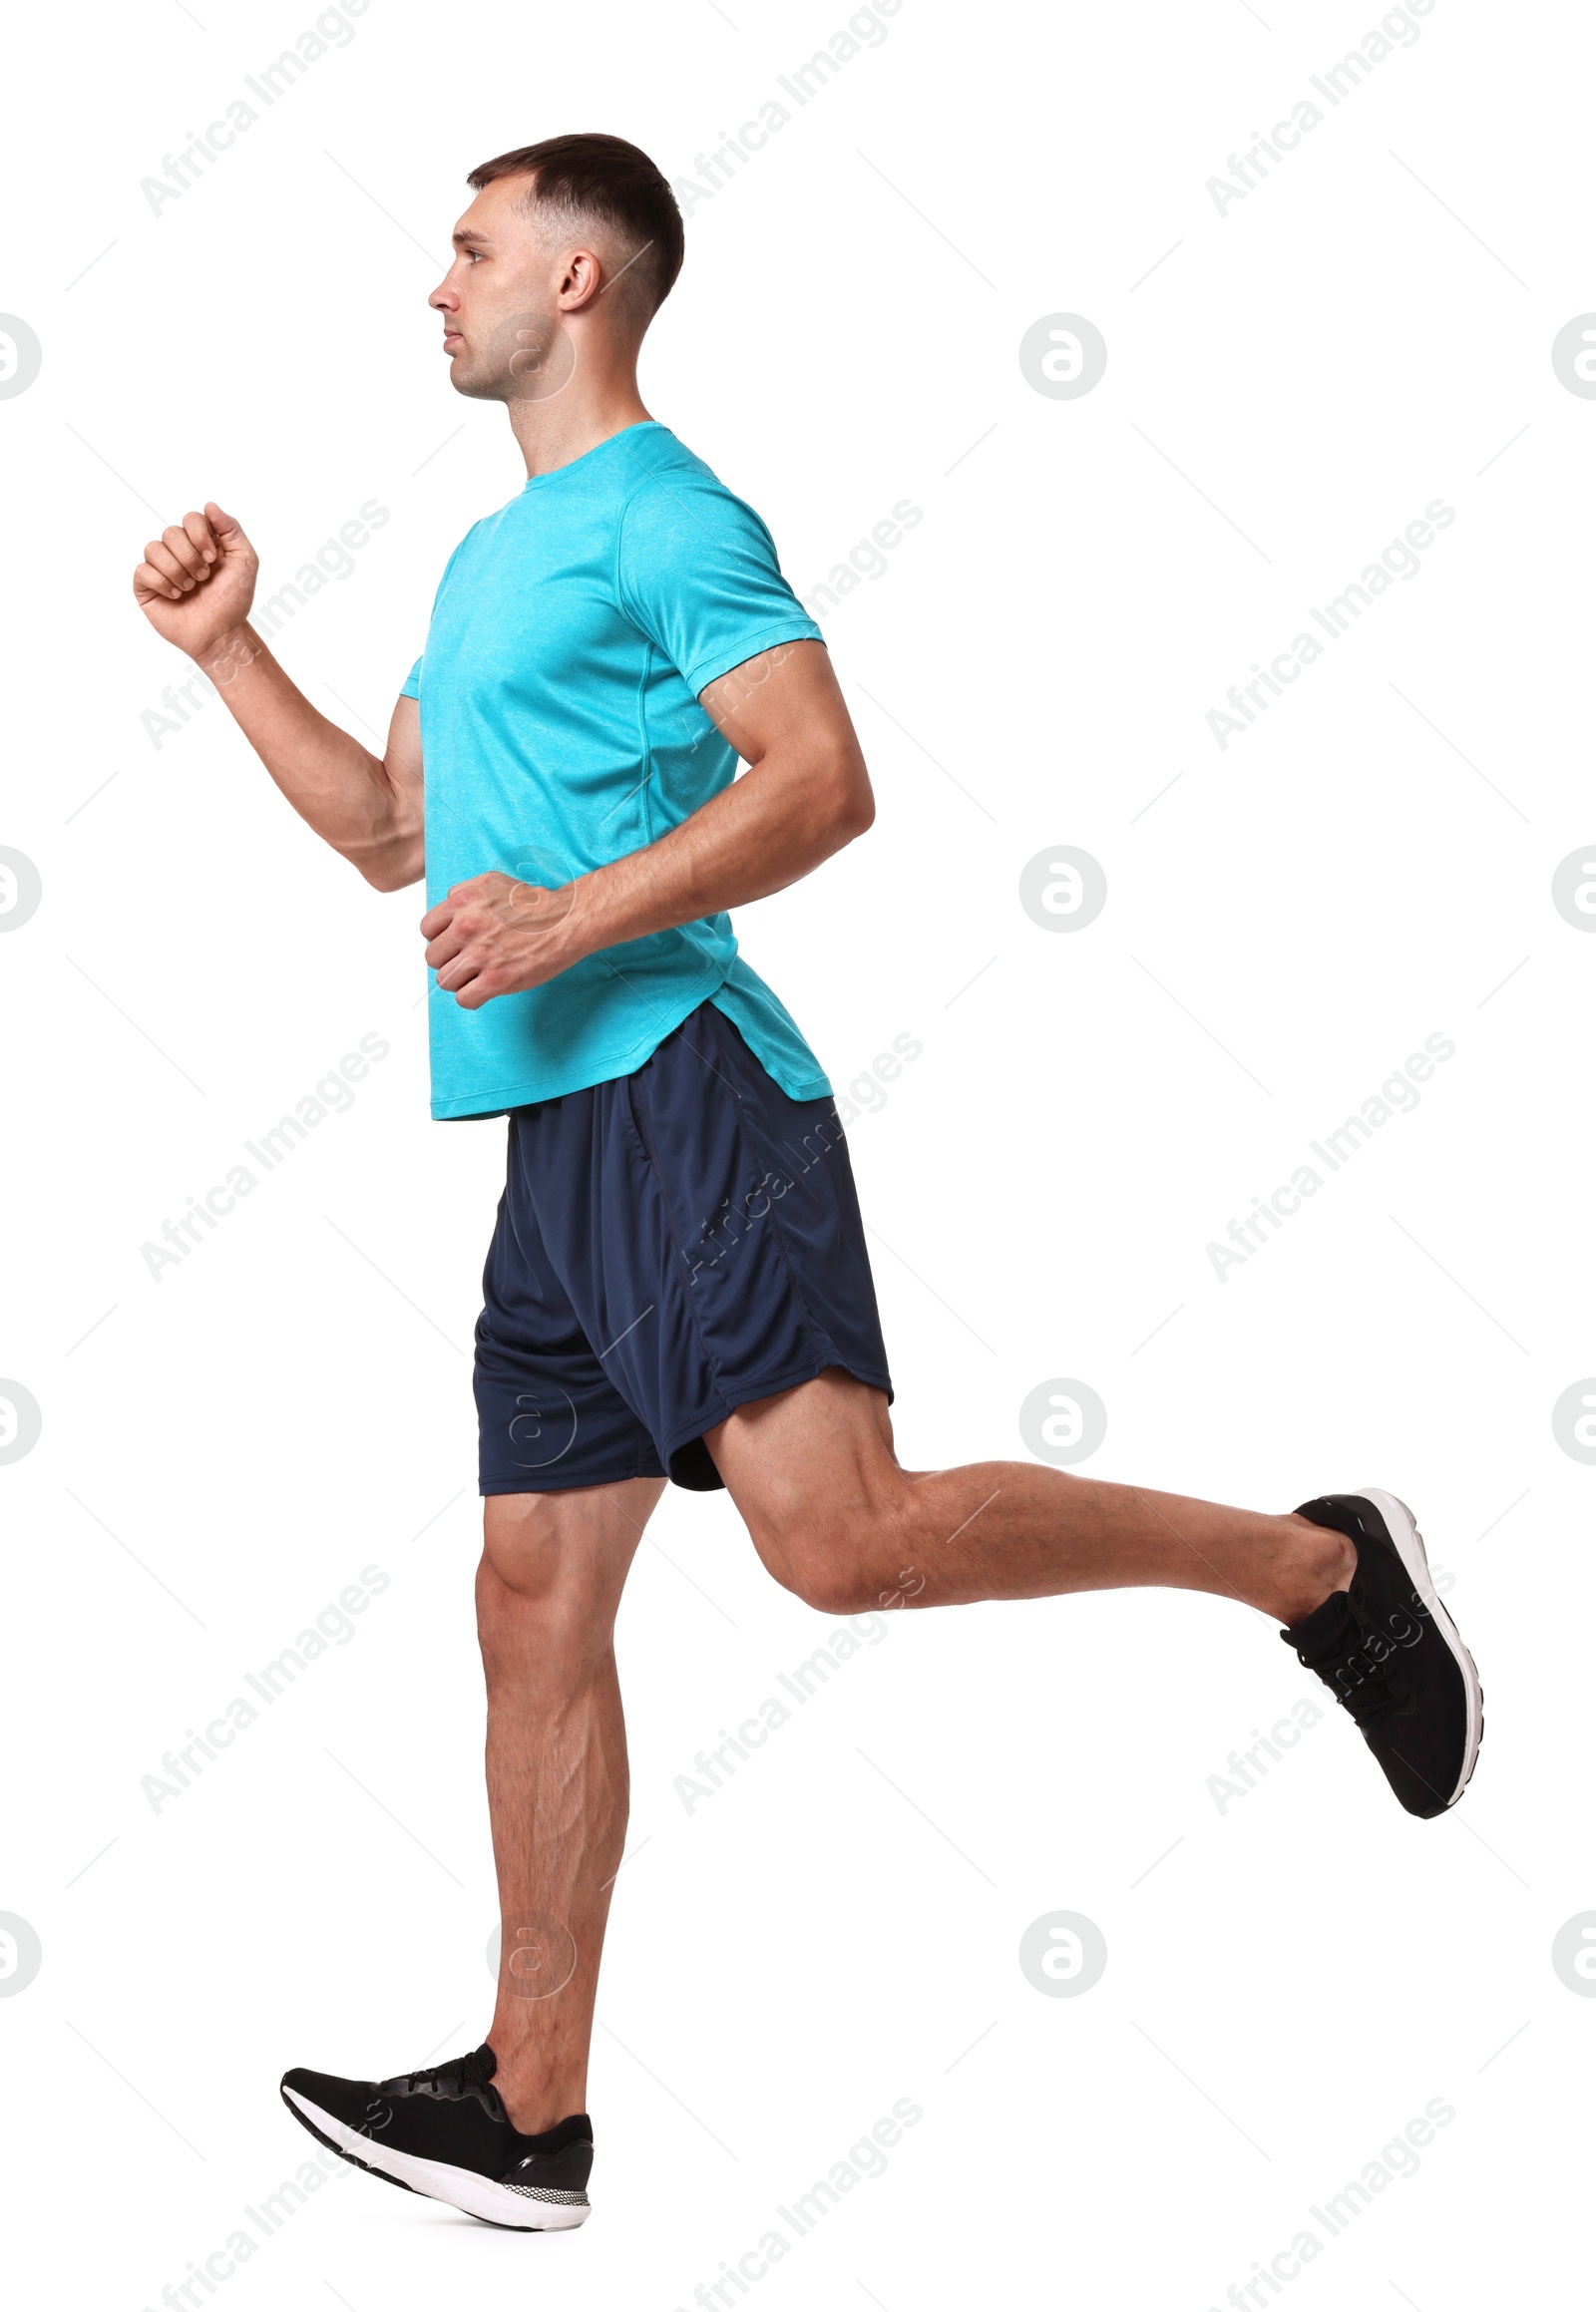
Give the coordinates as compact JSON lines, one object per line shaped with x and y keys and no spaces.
{"x":503,"y":299}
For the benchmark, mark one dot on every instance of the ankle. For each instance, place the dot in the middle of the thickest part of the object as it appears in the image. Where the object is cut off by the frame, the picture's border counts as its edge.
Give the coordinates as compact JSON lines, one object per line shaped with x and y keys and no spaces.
{"x":533,"y":2112}
{"x":1316,"y":1562}
{"x":536,"y":2100}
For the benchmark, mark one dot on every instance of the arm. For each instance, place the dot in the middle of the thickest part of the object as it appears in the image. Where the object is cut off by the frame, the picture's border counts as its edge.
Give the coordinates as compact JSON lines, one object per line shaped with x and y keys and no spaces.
{"x":196,"y":586}
{"x":806,"y":794}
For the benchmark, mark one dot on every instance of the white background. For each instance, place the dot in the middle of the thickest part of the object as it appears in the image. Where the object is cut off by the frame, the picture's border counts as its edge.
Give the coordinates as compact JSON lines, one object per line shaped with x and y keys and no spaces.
{"x":1288,"y":1982}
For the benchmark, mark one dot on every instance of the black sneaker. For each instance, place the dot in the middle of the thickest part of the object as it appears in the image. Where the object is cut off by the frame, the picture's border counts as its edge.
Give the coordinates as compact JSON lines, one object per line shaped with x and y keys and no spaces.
{"x":1389,"y":1653}
{"x":444,"y":2133}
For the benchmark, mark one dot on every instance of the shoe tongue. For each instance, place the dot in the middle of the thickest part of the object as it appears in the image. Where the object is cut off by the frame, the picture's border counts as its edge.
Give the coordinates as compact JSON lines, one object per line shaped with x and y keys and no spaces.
{"x":1324,"y":1633}
{"x":466,"y":2071}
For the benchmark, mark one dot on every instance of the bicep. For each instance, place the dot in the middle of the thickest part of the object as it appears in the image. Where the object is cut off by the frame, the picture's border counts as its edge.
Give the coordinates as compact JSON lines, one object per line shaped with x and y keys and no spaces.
{"x":403,"y":849}
{"x":402,"y":758}
{"x":786,"y":697}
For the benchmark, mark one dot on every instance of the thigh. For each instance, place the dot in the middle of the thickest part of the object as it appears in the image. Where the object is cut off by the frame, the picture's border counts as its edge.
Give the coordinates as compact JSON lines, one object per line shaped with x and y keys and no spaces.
{"x":810,"y":1467}
{"x":758,"y":1276}
{"x":551,"y":1418}
{"x":549,"y":1586}
{"x":567,"y":1553}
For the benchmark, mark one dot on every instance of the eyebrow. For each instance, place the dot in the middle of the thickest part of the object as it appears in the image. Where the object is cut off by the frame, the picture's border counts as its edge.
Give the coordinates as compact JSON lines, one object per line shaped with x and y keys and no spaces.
{"x":469,"y":240}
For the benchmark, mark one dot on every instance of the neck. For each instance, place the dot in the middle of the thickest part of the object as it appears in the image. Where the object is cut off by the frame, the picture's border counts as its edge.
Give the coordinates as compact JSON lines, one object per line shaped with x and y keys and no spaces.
{"x":576,"y":420}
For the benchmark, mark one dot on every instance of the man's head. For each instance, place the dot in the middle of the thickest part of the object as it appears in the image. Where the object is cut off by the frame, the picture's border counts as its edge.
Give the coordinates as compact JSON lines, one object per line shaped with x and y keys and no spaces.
{"x":576,"y":238}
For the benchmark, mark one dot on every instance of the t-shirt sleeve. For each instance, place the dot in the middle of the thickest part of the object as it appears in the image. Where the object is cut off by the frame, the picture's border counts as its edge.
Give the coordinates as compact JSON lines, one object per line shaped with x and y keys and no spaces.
{"x":412,"y":681}
{"x":696,"y":570}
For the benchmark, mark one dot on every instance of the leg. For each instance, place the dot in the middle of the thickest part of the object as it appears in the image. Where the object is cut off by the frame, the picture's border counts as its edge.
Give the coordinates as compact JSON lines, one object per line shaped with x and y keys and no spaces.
{"x":553,"y":1569}
{"x":835,"y":1518}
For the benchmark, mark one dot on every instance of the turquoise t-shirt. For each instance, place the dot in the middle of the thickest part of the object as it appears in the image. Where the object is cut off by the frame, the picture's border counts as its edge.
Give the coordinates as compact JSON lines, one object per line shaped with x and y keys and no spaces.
{"x":561,"y":729}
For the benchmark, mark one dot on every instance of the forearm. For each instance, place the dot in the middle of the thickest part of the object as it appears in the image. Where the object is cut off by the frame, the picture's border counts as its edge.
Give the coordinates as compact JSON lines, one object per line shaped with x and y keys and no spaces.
{"x":338,"y":786}
{"x":758,"y":835}
{"x":805,"y":795}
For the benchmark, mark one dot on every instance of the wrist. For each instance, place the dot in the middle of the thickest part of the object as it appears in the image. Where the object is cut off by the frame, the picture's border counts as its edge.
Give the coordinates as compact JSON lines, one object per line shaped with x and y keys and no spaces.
{"x":223,"y":658}
{"x":577,"y":935}
{"x":603,"y":911}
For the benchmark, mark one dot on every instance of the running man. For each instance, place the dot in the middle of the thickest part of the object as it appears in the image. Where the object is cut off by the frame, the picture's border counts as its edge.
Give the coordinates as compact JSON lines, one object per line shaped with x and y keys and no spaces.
{"x":678,"y":1285}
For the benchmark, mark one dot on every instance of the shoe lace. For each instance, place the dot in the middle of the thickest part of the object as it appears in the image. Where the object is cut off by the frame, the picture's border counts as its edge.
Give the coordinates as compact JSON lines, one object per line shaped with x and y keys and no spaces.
{"x":1373,"y":1692}
{"x":463,"y":2070}
{"x":1375,"y":1698}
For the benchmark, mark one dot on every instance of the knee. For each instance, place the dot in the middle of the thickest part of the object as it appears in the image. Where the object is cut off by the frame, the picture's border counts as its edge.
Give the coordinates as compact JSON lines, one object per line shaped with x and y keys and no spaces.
{"x":552,"y":1639}
{"x":839,"y":1564}
{"x":827,"y":1586}
{"x":543,"y":1608}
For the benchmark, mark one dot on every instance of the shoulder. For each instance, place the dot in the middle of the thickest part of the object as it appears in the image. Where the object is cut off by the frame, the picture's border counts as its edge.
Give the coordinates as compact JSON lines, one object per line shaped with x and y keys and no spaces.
{"x":679,"y":499}
{"x":480,"y":530}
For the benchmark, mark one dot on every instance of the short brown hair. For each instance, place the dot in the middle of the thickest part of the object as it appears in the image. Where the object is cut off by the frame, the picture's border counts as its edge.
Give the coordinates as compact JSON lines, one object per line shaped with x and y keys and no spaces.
{"x":605,"y":178}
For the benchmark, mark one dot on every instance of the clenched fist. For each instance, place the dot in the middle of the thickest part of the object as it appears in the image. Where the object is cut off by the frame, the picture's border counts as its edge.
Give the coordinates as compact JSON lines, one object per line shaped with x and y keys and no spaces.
{"x":494,"y":936}
{"x":197,"y":580}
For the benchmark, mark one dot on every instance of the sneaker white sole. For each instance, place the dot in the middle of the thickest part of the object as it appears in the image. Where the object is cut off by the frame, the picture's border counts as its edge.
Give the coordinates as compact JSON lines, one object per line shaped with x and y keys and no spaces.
{"x":527,"y":2210}
{"x":1410,"y":1543}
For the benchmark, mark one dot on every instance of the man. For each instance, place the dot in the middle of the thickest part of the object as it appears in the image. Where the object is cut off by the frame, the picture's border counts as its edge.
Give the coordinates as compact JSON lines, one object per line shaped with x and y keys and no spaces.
{"x":677,"y":1285}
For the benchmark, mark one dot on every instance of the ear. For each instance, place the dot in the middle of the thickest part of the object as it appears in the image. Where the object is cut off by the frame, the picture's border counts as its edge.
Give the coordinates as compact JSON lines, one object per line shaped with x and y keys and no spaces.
{"x":580,"y":281}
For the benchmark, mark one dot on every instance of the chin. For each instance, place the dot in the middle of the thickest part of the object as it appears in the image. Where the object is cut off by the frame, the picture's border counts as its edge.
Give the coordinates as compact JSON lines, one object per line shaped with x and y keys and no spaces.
{"x":474,"y":383}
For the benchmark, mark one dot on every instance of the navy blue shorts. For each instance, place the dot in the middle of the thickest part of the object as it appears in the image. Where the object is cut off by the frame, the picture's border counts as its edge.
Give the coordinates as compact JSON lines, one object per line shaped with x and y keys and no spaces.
{"x":670,"y":1246}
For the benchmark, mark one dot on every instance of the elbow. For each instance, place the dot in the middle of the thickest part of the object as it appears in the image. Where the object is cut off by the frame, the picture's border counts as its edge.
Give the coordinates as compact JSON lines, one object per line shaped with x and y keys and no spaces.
{"x":862,"y":814}
{"x":853,"y":811}
{"x":392,"y":868}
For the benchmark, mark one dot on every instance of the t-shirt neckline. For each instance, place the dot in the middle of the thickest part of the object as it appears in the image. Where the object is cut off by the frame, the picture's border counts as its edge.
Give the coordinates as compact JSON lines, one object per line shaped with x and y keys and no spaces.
{"x":554,"y":472}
